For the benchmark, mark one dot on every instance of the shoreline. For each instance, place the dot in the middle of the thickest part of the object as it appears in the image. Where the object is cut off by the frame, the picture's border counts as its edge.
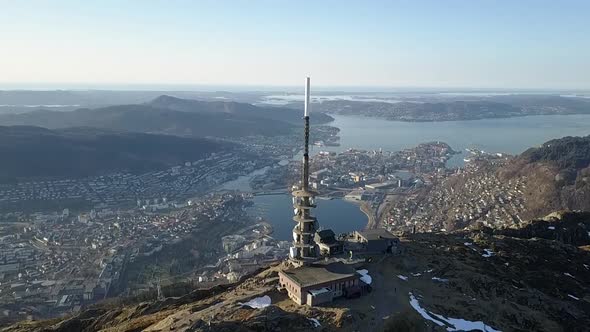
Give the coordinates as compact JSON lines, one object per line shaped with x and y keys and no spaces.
{"x":371,"y":220}
{"x":371,"y":223}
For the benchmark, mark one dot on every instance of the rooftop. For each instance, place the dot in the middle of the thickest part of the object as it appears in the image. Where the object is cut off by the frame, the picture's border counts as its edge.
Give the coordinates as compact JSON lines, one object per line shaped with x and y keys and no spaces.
{"x":326,"y":236}
{"x":318,"y":274}
{"x":376,"y":234}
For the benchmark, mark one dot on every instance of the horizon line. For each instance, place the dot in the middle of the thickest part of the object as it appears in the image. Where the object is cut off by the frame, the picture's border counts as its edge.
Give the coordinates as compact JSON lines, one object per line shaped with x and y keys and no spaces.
{"x":244,"y":87}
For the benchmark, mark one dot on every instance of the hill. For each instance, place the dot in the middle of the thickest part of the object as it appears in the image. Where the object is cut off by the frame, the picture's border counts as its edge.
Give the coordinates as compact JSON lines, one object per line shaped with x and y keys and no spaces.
{"x":174,"y":116}
{"x":557,"y":173}
{"x":282,"y":114}
{"x":499,"y":190}
{"x":439,"y":282}
{"x":30,"y":152}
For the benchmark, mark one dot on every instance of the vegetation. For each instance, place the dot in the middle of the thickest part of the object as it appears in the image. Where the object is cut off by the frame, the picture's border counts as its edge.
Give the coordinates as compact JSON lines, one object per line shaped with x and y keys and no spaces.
{"x":173,"y":116}
{"x":78,"y":152}
{"x":567,"y":152}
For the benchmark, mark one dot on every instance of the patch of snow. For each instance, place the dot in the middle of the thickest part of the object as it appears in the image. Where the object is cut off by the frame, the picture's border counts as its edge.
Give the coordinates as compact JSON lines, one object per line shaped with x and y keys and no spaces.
{"x":316,"y":323}
{"x":452,"y":324}
{"x":465,"y":325}
{"x":587,"y":267}
{"x":404,"y":278}
{"x":365,"y":277}
{"x":551,"y":228}
{"x":573,"y":297}
{"x":468,"y":243}
{"x":439,"y":279}
{"x":416,"y":305}
{"x":428,"y":271}
{"x":417,"y":274}
{"x":567,"y":274}
{"x":488,"y":253}
{"x":258,"y":303}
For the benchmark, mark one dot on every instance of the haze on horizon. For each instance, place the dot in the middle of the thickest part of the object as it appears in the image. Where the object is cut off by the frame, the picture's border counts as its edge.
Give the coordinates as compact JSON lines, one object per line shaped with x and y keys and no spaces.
{"x":477,"y":44}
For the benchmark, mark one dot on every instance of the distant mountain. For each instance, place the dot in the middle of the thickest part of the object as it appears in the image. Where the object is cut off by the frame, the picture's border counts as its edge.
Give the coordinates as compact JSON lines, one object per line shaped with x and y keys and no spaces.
{"x":175,"y":116}
{"x":453,"y":110}
{"x":34,"y":152}
{"x":275,"y":113}
{"x":410,"y":111}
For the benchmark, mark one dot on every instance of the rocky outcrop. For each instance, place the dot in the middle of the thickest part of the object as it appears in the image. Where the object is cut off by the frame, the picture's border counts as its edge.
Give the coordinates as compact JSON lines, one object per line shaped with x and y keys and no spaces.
{"x":566,"y":227}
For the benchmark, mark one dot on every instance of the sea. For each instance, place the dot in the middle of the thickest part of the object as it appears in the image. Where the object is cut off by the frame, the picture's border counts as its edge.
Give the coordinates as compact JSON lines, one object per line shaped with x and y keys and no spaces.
{"x":510,"y":135}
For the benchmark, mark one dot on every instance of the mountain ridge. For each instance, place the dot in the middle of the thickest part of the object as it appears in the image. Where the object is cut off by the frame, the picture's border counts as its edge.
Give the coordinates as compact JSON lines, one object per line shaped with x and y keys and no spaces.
{"x":84,"y":151}
{"x":175,"y":116}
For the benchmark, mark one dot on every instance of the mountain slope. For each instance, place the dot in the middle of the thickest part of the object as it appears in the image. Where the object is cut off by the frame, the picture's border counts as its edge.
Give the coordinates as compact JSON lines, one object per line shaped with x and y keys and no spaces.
{"x":513,"y":288}
{"x":145,"y":118}
{"x":38,"y":152}
{"x":174,"y":116}
{"x":558,"y":175}
{"x":289,"y":115}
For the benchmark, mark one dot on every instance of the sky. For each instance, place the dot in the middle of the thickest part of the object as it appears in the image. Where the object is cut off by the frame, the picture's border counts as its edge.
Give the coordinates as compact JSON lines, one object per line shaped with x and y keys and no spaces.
{"x":472,"y":43}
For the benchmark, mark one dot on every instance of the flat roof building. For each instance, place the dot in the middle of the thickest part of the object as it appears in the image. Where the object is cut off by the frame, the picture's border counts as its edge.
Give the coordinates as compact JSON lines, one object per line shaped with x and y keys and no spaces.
{"x":316,"y":284}
{"x":326,"y":240}
{"x":376,"y":240}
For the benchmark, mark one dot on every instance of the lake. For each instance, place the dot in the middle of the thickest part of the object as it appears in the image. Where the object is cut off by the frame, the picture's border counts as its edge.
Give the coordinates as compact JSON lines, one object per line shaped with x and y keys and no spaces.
{"x":336,"y":214}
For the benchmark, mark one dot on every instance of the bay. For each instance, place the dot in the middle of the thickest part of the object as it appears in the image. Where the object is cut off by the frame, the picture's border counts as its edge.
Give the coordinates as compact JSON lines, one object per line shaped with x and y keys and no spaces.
{"x":336,"y":214}
{"x":508,"y":135}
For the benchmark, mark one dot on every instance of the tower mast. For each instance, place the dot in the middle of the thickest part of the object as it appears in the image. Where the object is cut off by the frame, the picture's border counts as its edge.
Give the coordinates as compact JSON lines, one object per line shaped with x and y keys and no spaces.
{"x":304,"y":246}
{"x":305,"y":172}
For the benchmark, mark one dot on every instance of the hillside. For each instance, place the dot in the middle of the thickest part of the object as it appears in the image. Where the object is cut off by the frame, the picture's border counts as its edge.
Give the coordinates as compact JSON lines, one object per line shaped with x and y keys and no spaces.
{"x":174,"y":116}
{"x":282,"y":114}
{"x":74,"y":152}
{"x":508,"y":282}
{"x":558,"y":175}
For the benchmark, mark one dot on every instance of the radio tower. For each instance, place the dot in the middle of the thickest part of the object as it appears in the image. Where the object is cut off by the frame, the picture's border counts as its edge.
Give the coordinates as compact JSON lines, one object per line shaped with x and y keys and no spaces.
{"x":304,"y":247}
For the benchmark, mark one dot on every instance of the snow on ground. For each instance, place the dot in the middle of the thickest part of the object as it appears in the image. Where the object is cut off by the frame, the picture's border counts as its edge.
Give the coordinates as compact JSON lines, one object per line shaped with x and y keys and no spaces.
{"x":551,"y":227}
{"x":416,"y":305}
{"x":417,"y":274}
{"x":468,"y":243}
{"x":439,"y":279}
{"x":404,"y":278}
{"x":569,"y":275}
{"x":316,"y":323}
{"x":365,"y":277}
{"x":428,"y":271}
{"x":452,"y":324}
{"x":258,"y":303}
{"x":587,"y":267}
{"x":574,"y":297}
{"x":488,"y":253}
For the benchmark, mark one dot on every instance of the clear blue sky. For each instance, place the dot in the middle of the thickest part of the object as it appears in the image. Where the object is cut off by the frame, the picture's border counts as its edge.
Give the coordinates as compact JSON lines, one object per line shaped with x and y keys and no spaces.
{"x":439,"y":43}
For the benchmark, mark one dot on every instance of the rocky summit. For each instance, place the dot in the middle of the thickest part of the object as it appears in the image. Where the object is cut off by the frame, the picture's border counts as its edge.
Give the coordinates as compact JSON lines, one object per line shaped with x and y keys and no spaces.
{"x":532,"y":278}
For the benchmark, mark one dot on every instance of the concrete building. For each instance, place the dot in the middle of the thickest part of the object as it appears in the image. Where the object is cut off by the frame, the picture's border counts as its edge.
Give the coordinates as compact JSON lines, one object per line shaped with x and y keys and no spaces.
{"x":326,"y":240}
{"x":313,"y":285}
{"x":377,"y":240}
{"x":382,"y":185}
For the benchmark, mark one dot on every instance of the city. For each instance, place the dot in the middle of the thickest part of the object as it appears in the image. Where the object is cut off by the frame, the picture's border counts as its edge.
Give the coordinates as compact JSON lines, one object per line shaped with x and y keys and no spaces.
{"x":419,"y":166}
